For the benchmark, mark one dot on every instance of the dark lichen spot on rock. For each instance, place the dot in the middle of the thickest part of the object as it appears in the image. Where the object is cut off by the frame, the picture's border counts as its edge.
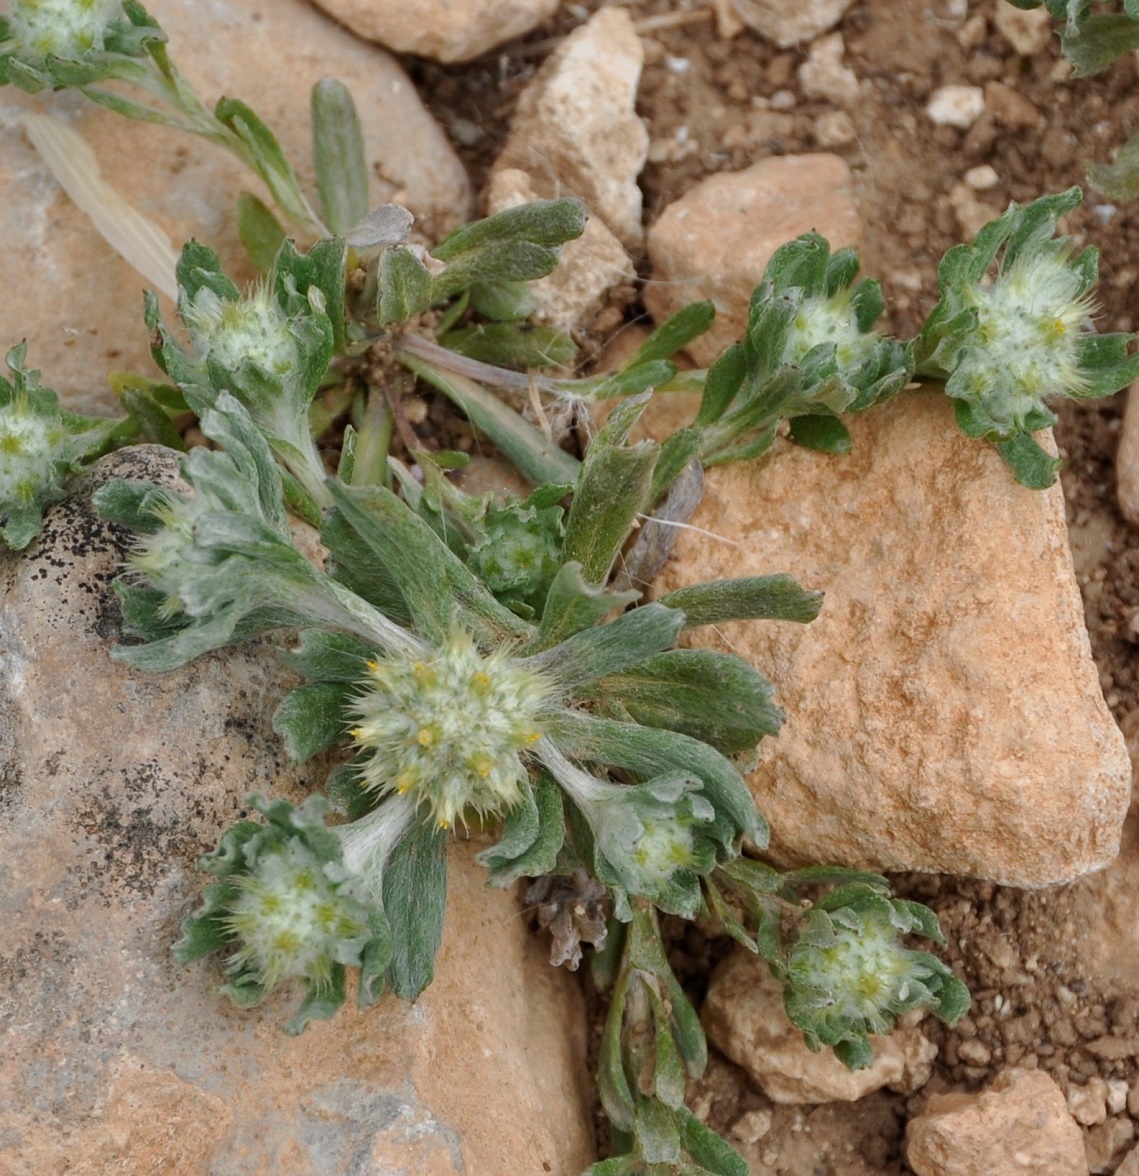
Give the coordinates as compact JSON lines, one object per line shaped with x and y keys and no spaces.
{"x":142,"y":836}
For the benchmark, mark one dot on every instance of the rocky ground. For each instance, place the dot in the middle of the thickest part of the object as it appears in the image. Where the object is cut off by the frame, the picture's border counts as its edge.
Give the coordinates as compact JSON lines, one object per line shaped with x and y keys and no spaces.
{"x":901,"y":128}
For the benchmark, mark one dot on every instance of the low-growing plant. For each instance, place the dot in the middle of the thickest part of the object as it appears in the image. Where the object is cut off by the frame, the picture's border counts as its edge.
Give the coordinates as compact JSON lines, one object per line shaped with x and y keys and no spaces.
{"x":473,"y":662}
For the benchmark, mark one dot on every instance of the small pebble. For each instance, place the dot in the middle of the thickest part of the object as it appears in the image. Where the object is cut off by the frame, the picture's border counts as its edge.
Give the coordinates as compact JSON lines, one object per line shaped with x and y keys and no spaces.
{"x":974,"y":1053}
{"x":752,"y":1126}
{"x":956,"y":106}
{"x":973,"y":32}
{"x":982,"y":178}
{"x":1116,"y":1096}
{"x":834,"y":129}
{"x":1088,"y":1104}
{"x":1027,"y":31}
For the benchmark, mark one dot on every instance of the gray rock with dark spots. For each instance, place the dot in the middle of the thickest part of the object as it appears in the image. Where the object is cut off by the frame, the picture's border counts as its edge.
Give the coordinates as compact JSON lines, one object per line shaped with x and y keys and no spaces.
{"x":112,"y":783}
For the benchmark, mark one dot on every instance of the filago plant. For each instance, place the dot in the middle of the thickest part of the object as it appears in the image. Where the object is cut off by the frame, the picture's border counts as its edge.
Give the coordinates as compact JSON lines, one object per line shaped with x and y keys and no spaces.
{"x":474,"y":663}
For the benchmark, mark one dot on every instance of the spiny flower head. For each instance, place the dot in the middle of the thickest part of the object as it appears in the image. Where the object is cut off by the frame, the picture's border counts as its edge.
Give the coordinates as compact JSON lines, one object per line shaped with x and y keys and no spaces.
{"x":293,"y":920}
{"x":1026,"y":343}
{"x":449,"y":728}
{"x":245,"y":330}
{"x":61,"y":28}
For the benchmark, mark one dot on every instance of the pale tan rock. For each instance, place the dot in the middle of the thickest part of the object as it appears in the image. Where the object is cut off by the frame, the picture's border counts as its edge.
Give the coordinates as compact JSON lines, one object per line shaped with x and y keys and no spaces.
{"x":715,"y":241}
{"x":1088,"y":1103}
{"x":1130,"y":1165}
{"x":441,"y":29}
{"x":1028,"y":31}
{"x":1127,"y":459}
{"x":589,"y":269}
{"x":743,"y":1016}
{"x":77,"y":302}
{"x":972,"y":33}
{"x":825,"y":75}
{"x":576,"y":130}
{"x":790,"y":24}
{"x":116,"y":1060}
{"x":1018,"y":1126}
{"x":945,"y":713}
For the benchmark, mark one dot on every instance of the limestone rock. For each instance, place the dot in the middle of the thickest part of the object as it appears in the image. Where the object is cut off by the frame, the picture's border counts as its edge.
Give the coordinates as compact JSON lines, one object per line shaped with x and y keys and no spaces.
{"x":715,"y":241}
{"x":113,"y":782}
{"x":77,"y":302}
{"x":591,"y":269}
{"x":1020,"y":1124}
{"x":945,"y":713}
{"x":576,"y":131}
{"x":1028,"y":31}
{"x":1127,"y":459}
{"x":790,"y":24}
{"x":744,"y":1017}
{"x":441,"y":29}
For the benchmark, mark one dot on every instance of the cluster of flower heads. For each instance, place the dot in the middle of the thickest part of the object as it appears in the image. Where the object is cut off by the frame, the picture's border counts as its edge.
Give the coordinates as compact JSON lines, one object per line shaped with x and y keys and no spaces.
{"x":294,"y":919}
{"x":830,"y":320}
{"x":61,"y":28}
{"x":449,"y":728}
{"x":235,"y":331}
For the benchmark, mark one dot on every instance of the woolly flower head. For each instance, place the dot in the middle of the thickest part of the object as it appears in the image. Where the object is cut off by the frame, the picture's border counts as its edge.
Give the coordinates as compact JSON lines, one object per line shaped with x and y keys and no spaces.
{"x":830,"y":320}
{"x":449,"y":728}
{"x":294,"y":919}
{"x":665,"y":844}
{"x":856,"y":971}
{"x":34,"y":449}
{"x":1026,"y":342}
{"x":61,"y":28}
{"x":236,"y":331}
